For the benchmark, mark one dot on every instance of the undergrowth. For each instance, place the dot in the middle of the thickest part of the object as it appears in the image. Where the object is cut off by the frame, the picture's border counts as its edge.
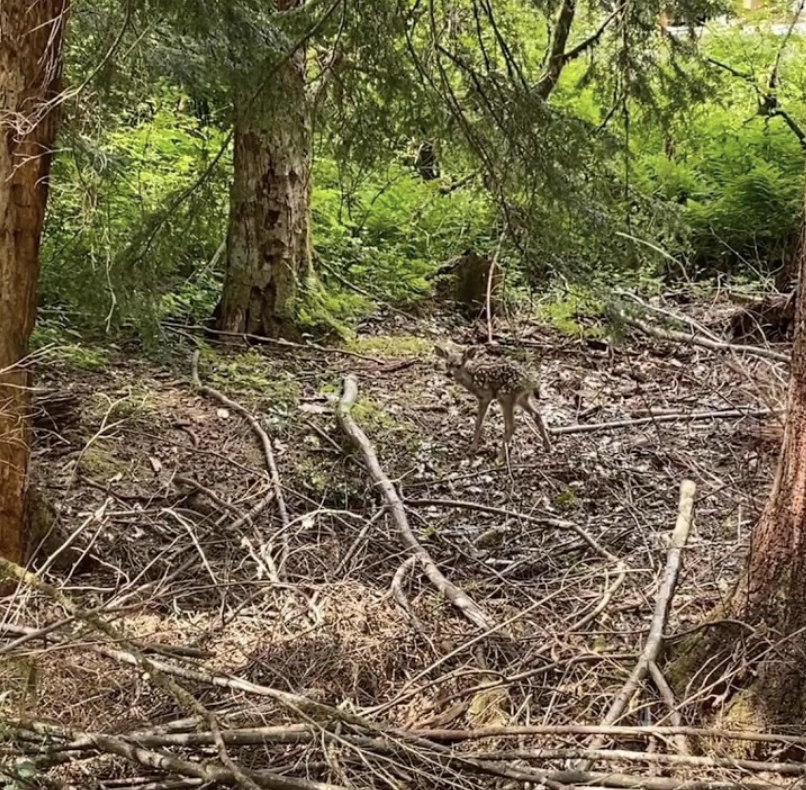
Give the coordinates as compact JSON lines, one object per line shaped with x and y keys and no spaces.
{"x":137,"y":215}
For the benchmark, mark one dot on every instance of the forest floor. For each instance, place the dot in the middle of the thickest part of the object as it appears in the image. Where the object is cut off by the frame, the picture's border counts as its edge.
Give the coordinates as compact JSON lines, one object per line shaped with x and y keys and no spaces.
{"x":258,"y":616}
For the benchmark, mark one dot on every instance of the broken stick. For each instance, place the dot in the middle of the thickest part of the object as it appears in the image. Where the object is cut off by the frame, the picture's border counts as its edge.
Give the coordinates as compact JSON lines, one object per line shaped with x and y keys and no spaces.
{"x":268,"y":453}
{"x":654,"y":640}
{"x":463,"y":602}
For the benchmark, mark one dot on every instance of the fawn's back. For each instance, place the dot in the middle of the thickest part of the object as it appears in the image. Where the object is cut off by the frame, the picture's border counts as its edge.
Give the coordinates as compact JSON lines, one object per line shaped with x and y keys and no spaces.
{"x":487,"y":376}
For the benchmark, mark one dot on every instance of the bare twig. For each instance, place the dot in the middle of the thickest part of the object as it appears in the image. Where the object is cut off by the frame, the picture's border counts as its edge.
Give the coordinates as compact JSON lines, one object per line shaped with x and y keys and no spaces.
{"x":649,"y":308}
{"x":274,"y":472}
{"x":609,"y":755}
{"x":208,"y":771}
{"x":548,"y":521}
{"x":348,"y":555}
{"x":696,"y":416}
{"x":609,"y":731}
{"x":695,"y":340}
{"x":490,"y":278}
{"x":228,"y":773}
{"x":666,"y":692}
{"x":397,"y":585}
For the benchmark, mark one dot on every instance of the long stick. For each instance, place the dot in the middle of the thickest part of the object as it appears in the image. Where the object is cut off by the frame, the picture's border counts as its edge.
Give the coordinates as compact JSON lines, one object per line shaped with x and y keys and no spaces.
{"x":466,"y":605}
{"x":654,"y":640}
{"x":716,"y":414}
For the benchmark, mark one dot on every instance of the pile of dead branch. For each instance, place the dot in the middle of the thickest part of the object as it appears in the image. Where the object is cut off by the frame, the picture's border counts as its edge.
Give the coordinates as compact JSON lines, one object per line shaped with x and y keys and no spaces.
{"x":268,"y":640}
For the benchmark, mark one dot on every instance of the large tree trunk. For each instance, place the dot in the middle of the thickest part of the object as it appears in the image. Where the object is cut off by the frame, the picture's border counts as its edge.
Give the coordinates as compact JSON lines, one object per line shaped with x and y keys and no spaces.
{"x":770,"y":596}
{"x":31,"y":33}
{"x":268,"y":240}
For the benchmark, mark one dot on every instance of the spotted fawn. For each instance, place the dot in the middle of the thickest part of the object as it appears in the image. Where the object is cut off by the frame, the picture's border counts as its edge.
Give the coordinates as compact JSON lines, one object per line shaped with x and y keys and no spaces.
{"x":490,"y":378}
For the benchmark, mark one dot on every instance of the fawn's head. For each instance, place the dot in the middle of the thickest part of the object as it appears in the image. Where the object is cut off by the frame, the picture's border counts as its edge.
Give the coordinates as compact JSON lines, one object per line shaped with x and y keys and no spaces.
{"x":456,"y":359}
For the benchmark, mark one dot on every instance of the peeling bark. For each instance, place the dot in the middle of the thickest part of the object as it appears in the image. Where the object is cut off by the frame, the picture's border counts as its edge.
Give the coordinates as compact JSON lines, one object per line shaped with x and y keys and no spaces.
{"x":31,"y":35}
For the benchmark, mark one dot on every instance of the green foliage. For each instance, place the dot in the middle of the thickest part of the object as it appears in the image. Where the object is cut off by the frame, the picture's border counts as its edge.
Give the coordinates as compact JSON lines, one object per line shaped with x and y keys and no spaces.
{"x":737,"y":175}
{"x":643,"y":150}
{"x":391,"y":346}
{"x":67,"y":345}
{"x":574,"y":312}
{"x":129,"y":221}
{"x":383,"y":236}
{"x":256,"y":372}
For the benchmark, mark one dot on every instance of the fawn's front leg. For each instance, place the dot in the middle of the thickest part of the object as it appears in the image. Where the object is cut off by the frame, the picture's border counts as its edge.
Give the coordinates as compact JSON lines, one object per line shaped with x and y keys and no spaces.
{"x":508,"y":407}
{"x":541,"y":426}
{"x":484,"y":405}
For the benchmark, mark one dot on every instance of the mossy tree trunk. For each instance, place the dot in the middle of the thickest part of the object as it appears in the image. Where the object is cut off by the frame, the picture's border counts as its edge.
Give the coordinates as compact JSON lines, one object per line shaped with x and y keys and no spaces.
{"x":770,"y":596}
{"x":31,"y":35}
{"x":268,"y":239}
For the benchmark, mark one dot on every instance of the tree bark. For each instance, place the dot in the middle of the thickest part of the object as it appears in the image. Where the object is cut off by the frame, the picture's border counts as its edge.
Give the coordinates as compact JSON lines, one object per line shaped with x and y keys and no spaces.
{"x":771,"y":593}
{"x":31,"y":35}
{"x":268,"y":240}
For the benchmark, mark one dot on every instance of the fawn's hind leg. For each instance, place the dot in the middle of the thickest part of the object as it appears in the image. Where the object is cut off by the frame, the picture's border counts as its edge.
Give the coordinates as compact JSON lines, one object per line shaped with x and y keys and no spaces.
{"x":508,"y":407}
{"x":538,"y":418}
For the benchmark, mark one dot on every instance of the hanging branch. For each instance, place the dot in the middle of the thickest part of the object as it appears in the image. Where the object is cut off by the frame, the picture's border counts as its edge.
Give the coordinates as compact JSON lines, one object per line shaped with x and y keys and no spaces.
{"x":768,"y":104}
{"x":559,"y":57}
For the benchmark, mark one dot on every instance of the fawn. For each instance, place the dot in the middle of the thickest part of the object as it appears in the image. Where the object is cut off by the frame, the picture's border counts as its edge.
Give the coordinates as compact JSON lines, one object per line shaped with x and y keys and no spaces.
{"x":494,"y":379}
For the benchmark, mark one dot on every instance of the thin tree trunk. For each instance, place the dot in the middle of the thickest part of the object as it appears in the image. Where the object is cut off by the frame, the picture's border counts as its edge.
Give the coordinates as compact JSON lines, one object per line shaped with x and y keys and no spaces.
{"x":268,"y":240}
{"x":772,"y":591}
{"x":557,"y":57}
{"x":31,"y":34}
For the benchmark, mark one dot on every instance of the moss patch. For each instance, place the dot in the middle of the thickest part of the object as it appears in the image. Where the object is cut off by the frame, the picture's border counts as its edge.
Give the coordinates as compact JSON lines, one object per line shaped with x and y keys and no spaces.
{"x":390,"y":346}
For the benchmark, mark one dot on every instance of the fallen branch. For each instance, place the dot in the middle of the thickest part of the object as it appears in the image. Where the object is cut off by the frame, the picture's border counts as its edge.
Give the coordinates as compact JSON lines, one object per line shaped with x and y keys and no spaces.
{"x":680,"y":318}
{"x":717,"y":414}
{"x":466,"y":605}
{"x":695,"y":340}
{"x":654,"y":640}
{"x":548,"y":521}
{"x":630,"y":756}
{"x":228,"y":772}
{"x":610,"y":731}
{"x":268,"y":453}
{"x":665,"y":690}
{"x":135,"y":747}
{"x":603,"y":602}
{"x":207,"y":771}
{"x":397,"y":584}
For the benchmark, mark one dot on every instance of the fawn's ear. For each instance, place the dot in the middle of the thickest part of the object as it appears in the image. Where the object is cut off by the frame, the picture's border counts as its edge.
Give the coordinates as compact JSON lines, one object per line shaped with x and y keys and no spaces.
{"x":441,"y":351}
{"x":470,"y":353}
